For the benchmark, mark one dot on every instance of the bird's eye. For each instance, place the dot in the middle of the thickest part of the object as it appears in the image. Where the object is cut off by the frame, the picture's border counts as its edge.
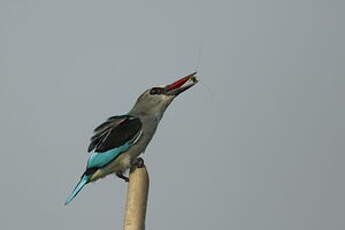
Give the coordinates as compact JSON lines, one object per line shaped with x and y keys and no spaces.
{"x":156,"y":91}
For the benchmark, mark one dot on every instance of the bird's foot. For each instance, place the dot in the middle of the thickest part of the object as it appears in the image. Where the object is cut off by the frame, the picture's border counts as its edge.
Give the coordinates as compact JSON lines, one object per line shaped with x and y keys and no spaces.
{"x":119,"y":174}
{"x":139,"y":162}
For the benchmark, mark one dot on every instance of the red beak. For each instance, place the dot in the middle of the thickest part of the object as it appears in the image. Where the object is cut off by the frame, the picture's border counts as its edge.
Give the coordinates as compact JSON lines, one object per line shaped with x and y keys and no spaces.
{"x":179,"y":83}
{"x":180,"y":86}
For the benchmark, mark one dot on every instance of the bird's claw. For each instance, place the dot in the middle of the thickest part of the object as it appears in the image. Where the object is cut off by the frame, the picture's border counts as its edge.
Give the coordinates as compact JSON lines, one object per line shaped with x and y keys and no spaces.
{"x":139,"y":162}
{"x":120,"y":175}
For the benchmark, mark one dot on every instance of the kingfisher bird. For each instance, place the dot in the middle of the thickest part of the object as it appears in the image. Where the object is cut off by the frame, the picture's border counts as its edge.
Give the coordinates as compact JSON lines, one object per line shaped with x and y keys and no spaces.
{"x":117,"y":143}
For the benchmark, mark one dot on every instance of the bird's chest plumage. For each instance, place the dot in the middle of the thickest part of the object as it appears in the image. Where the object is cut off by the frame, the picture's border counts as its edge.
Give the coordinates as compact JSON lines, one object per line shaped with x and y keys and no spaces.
{"x":149,"y":128}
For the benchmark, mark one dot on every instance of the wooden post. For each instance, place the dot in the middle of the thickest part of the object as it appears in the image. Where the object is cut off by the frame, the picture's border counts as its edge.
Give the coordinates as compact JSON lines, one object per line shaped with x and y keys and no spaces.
{"x":137,"y":193}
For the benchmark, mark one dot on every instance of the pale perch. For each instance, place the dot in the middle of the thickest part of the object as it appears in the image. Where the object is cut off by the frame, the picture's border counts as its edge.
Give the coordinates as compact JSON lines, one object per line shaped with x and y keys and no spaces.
{"x":137,"y":193}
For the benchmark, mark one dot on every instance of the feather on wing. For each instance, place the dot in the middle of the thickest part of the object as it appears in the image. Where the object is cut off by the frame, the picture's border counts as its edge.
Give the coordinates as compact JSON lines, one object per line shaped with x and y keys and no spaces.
{"x":113,"y":137}
{"x":102,"y":131}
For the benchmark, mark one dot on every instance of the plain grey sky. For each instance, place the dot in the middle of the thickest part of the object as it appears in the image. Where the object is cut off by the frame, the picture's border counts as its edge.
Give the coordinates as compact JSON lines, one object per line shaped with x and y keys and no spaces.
{"x":258,"y":144}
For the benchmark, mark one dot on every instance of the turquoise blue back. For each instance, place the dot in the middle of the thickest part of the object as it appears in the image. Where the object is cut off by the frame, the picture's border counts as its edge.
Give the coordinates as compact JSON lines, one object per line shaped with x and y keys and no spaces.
{"x":100,"y":159}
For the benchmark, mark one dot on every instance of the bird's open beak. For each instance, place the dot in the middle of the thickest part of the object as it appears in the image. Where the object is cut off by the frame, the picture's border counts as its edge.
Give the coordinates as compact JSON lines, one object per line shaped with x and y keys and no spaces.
{"x":181,"y":85}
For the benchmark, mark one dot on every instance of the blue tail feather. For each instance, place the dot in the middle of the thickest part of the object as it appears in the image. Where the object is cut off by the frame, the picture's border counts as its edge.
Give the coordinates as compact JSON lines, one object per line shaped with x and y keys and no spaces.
{"x":83,"y":181}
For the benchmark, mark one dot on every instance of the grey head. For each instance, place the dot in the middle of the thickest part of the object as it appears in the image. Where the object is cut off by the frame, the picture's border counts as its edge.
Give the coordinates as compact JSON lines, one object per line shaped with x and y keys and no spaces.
{"x":154,"y":101}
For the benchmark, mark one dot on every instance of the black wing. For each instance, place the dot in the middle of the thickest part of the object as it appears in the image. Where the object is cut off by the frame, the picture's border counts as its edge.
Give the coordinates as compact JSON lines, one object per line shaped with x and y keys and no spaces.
{"x":114,"y":132}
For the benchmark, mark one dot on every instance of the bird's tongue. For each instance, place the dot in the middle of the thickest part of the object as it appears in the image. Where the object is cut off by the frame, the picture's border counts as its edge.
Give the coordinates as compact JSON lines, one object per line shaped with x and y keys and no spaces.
{"x":179,"y":83}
